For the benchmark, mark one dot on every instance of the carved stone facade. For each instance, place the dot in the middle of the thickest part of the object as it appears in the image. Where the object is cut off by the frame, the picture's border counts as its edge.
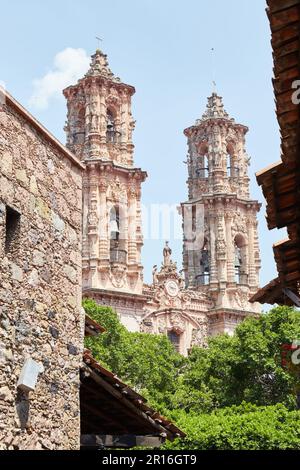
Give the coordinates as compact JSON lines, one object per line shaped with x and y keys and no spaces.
{"x":99,"y":131}
{"x":221,"y":251}
{"x":173,"y":310}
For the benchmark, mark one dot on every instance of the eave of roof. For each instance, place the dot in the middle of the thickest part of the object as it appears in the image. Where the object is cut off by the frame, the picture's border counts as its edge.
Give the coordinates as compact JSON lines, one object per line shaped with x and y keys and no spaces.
{"x":281,"y":181}
{"x":284,"y":17}
{"x":287,"y":259}
{"x":137,"y":402}
{"x":92,"y":328}
{"x":273,"y":293}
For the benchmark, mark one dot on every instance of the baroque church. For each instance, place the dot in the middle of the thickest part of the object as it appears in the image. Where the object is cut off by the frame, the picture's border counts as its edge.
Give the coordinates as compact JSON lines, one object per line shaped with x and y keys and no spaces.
{"x":221,"y":258}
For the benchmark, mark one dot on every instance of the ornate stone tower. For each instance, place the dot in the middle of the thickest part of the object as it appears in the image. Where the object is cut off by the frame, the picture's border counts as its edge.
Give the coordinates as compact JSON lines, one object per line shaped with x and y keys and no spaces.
{"x":99,"y":131}
{"x":221,"y":251}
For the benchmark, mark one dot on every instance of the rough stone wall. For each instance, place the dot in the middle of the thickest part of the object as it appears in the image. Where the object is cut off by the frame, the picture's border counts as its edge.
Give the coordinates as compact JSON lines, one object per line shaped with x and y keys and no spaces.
{"x":40,"y":288}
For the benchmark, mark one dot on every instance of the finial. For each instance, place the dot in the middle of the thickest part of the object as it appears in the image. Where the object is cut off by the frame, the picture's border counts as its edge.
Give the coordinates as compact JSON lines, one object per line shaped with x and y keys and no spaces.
{"x":213,"y":67}
{"x":215,"y":108}
{"x":98,"y":43}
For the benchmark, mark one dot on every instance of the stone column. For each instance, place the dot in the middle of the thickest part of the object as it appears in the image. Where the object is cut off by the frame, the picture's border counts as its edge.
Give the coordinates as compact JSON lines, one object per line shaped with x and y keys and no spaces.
{"x":103,"y":223}
{"x":221,"y":251}
{"x":132,"y":225}
{"x":213,"y":265}
{"x":103,"y":123}
{"x":92,"y":225}
{"x":251,"y":256}
{"x":139,"y":235}
{"x":230,"y":248}
{"x":124,"y":119}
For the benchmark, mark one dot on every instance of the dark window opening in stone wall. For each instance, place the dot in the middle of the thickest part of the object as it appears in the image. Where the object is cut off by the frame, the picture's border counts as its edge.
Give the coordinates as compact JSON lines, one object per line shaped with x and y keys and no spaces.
{"x":12,"y":230}
{"x":175,"y":339}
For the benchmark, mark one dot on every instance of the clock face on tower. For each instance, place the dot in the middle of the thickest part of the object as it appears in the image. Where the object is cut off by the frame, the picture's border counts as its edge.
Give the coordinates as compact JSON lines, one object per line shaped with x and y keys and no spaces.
{"x":172,"y":288}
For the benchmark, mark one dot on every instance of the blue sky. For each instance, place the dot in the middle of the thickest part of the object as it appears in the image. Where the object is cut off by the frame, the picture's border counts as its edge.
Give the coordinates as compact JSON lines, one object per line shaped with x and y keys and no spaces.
{"x":163,"y":48}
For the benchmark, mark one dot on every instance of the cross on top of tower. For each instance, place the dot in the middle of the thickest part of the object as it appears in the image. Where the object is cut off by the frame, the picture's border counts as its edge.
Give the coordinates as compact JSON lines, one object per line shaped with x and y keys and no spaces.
{"x":98,"y":42}
{"x":214,"y":109}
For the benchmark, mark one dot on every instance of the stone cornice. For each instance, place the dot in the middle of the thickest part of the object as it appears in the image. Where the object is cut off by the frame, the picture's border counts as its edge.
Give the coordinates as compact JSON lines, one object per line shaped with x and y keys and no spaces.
{"x":109,"y":166}
{"x":114,"y":293}
{"x":189,"y":131}
{"x":227,"y":198}
{"x":84,"y":83}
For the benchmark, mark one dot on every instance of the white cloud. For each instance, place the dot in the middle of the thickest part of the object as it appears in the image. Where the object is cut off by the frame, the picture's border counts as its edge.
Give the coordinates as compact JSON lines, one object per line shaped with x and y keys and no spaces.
{"x":68,"y":66}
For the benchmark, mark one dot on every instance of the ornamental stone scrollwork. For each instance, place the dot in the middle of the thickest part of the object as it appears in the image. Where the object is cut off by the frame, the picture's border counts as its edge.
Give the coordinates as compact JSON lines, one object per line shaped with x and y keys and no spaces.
{"x":116,"y":191}
{"x":147,"y":326}
{"x":186,"y":298}
{"x":241,"y":299}
{"x":177,"y":322}
{"x":103,"y":185}
{"x":113,"y":100}
{"x":201,"y":186}
{"x":234,"y":187}
{"x":199,"y":335}
{"x":221,"y":248}
{"x":132,"y":191}
{"x":162,"y":325}
{"x":118,"y":276}
{"x":239,"y":223}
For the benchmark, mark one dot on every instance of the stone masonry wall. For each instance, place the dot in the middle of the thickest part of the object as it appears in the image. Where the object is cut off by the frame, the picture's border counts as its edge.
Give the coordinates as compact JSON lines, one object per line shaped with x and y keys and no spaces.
{"x":40,"y":288}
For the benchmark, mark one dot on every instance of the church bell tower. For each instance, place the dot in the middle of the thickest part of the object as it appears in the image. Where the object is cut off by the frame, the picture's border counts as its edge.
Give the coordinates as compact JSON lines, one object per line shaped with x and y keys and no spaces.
{"x":221,"y":251}
{"x":99,"y":131}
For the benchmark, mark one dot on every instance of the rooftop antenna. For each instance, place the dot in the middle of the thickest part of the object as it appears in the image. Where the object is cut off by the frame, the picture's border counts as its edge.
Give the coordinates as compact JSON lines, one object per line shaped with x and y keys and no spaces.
{"x":98,"y":42}
{"x":213,"y":66}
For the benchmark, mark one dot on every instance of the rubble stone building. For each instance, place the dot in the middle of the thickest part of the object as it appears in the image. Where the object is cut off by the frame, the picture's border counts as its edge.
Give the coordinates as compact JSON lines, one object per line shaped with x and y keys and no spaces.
{"x":40,"y":285}
{"x":220,"y":269}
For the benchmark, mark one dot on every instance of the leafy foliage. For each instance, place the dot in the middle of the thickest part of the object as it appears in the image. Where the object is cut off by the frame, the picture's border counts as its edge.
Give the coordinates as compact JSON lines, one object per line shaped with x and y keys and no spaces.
{"x":234,"y":394}
{"x":244,"y":367}
{"x":244,"y":427}
{"x":147,"y":362}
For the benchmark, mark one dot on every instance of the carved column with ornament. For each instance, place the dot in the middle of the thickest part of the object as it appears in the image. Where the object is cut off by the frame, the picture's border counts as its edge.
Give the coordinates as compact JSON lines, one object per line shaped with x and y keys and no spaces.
{"x":173,"y":310}
{"x":99,"y":131}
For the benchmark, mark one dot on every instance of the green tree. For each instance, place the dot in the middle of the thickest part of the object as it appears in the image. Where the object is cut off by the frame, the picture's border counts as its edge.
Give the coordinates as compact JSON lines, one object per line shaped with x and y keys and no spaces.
{"x":147,"y":362}
{"x":244,"y":427}
{"x":244,"y":367}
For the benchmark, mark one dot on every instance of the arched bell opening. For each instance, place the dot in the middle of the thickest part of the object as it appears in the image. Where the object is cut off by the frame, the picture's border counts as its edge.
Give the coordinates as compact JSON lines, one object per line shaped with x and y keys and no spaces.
{"x":112,"y":135}
{"x":203,"y":278}
{"x":231,"y":166}
{"x":202,"y":170}
{"x":118,"y":252}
